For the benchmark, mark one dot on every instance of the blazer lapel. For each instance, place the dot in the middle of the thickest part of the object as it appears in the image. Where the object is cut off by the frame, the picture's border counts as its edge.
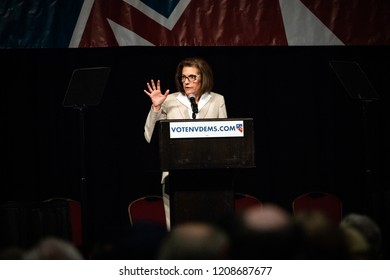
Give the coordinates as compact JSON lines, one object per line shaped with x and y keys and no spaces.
{"x":183,"y":109}
{"x":205,"y":108}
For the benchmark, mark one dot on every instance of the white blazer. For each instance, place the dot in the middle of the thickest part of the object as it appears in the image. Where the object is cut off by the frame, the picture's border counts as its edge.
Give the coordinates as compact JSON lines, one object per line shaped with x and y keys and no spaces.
{"x":177,"y":106}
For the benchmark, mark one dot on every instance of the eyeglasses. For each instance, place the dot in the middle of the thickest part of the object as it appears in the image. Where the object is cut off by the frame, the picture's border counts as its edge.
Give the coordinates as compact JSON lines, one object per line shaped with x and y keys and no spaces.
{"x":191,"y":78}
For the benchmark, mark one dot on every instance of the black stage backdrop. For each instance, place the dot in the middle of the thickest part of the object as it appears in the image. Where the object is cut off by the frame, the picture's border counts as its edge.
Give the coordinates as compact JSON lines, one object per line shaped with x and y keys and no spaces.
{"x":309,"y":133}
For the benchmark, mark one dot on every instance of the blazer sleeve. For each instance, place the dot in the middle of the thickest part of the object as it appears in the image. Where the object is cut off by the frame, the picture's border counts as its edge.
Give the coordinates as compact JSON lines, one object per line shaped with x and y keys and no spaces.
{"x":222,"y":109}
{"x":150,"y":123}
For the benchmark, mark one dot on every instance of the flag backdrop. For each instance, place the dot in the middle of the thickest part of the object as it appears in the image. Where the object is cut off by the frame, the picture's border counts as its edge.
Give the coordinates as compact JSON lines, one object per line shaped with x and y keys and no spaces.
{"x":108,"y":23}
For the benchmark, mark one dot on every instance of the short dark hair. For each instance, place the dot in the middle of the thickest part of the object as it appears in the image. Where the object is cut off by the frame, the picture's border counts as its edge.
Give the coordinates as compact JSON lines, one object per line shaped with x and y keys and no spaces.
{"x":204,"y":71}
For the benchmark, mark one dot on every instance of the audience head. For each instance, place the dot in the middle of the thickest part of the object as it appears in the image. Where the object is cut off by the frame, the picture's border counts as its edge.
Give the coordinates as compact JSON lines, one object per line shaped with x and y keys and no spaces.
{"x":358,"y":247}
{"x":195,"y":241}
{"x":53,"y":248}
{"x":323,"y":239}
{"x":265,"y":232}
{"x":370,"y":232}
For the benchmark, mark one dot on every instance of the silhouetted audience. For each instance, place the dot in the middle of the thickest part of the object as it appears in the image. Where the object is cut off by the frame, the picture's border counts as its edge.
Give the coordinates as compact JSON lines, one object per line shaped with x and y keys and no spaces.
{"x":266,"y":232}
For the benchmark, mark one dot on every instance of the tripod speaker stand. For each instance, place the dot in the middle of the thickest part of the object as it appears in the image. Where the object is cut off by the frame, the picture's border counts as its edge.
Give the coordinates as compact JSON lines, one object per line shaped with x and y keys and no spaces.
{"x":359,"y":87}
{"x":85,"y":88}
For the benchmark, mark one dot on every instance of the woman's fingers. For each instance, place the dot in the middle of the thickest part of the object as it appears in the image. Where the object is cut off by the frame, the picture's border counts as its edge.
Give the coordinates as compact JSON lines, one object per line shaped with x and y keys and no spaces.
{"x":152,"y":86}
{"x":149,"y":87}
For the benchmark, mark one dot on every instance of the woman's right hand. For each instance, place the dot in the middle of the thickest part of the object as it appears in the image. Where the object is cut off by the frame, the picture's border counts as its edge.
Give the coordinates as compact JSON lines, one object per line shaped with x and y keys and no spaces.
{"x":154,"y":92}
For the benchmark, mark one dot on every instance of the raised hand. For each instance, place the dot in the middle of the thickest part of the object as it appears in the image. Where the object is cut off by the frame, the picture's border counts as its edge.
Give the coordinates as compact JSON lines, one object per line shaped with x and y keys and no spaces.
{"x":155,"y":94}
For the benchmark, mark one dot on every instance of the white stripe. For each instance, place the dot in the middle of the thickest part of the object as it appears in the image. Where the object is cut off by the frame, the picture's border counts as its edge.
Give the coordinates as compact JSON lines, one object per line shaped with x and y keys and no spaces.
{"x":81,"y":23}
{"x":303,"y":27}
{"x":127,"y":37}
{"x":166,"y":22}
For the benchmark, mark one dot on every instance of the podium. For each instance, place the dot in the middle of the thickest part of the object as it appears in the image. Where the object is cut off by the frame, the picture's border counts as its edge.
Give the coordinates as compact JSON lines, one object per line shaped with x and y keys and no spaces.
{"x":202,"y":157}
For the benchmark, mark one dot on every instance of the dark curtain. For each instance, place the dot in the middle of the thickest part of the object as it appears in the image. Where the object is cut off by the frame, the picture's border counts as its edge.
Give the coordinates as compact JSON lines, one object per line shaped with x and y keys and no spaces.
{"x":309,"y":133}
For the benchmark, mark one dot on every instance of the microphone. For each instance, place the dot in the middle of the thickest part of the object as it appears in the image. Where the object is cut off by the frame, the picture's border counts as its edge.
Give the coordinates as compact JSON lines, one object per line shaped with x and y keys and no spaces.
{"x":194,"y":106}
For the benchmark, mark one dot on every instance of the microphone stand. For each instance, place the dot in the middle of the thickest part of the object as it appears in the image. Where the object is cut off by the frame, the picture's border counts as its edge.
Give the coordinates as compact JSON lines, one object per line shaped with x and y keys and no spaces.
{"x":83,"y":180}
{"x":194,"y":110}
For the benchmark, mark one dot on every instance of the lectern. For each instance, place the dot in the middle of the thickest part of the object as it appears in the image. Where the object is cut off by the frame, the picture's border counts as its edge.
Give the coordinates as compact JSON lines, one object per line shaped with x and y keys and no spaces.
{"x":202,"y":157}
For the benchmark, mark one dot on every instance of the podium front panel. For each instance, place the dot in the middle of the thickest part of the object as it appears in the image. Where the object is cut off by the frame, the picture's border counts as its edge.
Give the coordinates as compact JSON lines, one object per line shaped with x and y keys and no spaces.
{"x":207,"y":152}
{"x":201,"y":195}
